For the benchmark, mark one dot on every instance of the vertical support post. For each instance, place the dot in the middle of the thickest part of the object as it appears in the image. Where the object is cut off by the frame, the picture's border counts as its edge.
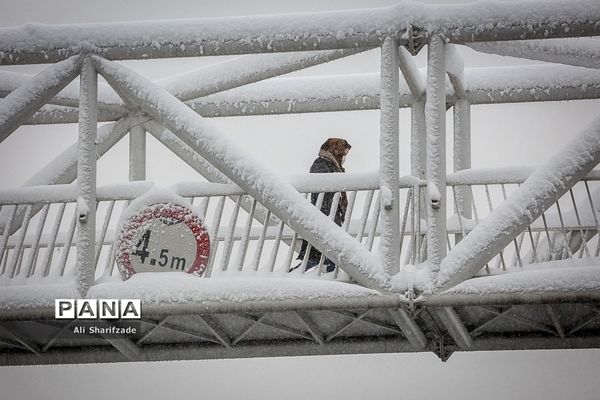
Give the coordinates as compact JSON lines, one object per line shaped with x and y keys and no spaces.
{"x":418,"y":155}
{"x":462,"y":152}
{"x":86,"y":176}
{"x":389,"y":158}
{"x":435,"y":118}
{"x":137,"y":153}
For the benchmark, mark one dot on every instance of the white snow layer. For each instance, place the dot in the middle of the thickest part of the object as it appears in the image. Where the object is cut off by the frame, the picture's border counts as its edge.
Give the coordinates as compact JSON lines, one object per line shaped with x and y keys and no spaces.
{"x":35,"y":296}
{"x":176,"y":288}
{"x":268,"y":188}
{"x":575,"y":275}
{"x":273,"y":32}
{"x":582,"y":52}
{"x":526,"y":204}
{"x":483,"y":85}
{"x":36,"y":90}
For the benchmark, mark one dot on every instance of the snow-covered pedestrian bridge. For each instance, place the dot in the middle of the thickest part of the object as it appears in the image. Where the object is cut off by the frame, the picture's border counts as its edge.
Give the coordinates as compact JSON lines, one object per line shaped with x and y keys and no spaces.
{"x":477,"y":259}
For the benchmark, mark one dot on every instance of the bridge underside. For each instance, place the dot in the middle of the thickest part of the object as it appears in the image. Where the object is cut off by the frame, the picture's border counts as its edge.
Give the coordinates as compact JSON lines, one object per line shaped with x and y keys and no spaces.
{"x":424,"y":267}
{"x":216,"y":318}
{"x":320,"y":331}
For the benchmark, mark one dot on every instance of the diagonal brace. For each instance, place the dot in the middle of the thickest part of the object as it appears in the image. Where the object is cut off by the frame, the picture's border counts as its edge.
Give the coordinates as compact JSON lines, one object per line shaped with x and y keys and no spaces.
{"x":542,"y":189}
{"x":268,"y":188}
{"x":23,"y":102}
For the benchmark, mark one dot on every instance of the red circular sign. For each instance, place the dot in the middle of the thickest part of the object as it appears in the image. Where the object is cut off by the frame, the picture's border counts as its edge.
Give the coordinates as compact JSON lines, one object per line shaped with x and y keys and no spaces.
{"x":163,"y":237}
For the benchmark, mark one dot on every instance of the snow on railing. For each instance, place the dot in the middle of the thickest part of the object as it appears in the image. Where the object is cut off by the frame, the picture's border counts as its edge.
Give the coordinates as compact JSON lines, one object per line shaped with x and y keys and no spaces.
{"x":43,"y":245}
{"x":568,"y":229}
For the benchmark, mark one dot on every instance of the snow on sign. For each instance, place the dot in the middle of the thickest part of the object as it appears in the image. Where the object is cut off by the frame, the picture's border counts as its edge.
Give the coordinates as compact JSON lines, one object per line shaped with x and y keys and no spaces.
{"x":163,"y":237}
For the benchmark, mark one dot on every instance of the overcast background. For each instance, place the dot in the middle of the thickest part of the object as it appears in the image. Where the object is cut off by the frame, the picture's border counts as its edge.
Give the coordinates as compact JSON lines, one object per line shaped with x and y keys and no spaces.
{"x":503,"y":135}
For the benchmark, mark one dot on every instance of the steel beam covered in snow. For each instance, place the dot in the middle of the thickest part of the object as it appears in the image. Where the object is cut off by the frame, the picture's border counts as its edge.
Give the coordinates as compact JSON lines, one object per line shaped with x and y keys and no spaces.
{"x":581,"y":52}
{"x":542,"y":189}
{"x":435,"y":122}
{"x":24,"y":101}
{"x":270,"y":190}
{"x":389,"y":162}
{"x":63,"y":169}
{"x":361,"y":92}
{"x":36,"y":43}
{"x":86,"y":177}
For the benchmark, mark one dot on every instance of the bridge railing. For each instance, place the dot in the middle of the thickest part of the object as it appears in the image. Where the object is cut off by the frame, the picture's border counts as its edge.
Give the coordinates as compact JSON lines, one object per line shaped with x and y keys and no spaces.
{"x":245,"y":237}
{"x":248,"y":239}
{"x":568,"y":229}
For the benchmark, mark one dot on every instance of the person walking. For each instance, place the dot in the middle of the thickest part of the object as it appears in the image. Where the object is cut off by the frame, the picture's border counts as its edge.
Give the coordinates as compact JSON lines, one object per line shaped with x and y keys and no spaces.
{"x":332,"y":155}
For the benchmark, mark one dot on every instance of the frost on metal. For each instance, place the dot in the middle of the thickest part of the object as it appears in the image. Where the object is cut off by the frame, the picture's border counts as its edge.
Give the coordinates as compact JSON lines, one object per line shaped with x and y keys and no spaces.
{"x":581,"y":52}
{"x":269,"y":189}
{"x":38,"y":43}
{"x":24,"y":101}
{"x":534,"y":196}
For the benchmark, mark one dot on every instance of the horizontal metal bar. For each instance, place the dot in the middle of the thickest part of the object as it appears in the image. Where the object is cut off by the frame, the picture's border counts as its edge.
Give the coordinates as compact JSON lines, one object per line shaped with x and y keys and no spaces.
{"x":361,"y":92}
{"x":216,"y":307}
{"x":37,"y":43}
{"x":550,"y":297}
{"x":358,"y":345}
{"x":578,"y":52}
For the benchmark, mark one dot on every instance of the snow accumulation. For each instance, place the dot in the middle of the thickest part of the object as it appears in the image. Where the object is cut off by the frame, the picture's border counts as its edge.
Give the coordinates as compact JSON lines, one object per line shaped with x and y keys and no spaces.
{"x":526,"y":204}
{"x":583,"y":52}
{"x":35,"y":296}
{"x":297,"y":31}
{"x":523,"y":81}
{"x":69,"y":96}
{"x":36,"y":91}
{"x":454,"y":62}
{"x":573,"y":275}
{"x":176,"y":288}
{"x":243,"y":70}
{"x":269,"y":189}
{"x":153,"y":196}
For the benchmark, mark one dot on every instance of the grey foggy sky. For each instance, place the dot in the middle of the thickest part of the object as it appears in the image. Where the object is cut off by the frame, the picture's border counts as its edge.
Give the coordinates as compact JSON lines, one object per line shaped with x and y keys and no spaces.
{"x":538,"y":129}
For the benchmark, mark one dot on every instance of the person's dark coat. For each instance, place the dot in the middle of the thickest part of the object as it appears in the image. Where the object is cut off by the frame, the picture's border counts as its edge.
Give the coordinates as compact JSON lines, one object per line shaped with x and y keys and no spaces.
{"x":329,"y":161}
{"x":320,"y":166}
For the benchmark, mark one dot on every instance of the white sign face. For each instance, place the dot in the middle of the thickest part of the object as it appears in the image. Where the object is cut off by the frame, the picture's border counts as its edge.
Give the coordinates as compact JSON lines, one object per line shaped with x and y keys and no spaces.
{"x":163,"y":237}
{"x":160,"y":246}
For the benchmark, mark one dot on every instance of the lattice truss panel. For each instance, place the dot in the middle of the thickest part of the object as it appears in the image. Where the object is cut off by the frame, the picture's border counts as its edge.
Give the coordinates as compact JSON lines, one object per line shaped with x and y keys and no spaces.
{"x":472,"y":260}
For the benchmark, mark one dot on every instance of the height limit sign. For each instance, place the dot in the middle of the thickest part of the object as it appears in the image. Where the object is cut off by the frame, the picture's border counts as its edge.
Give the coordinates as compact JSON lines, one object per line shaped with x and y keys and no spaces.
{"x":163,"y":237}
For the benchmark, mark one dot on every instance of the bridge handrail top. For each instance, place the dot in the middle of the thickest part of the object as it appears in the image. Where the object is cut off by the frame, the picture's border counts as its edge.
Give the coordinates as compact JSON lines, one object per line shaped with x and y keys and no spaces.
{"x":304,"y":183}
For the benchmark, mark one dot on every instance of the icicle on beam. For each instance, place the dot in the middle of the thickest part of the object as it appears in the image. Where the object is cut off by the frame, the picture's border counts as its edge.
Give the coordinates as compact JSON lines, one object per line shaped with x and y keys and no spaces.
{"x":580,"y":52}
{"x":137,"y":153}
{"x":86,"y":178}
{"x":269,"y":189}
{"x":435,"y":120}
{"x":22,"y":103}
{"x":389,"y":157}
{"x":527,"y":203}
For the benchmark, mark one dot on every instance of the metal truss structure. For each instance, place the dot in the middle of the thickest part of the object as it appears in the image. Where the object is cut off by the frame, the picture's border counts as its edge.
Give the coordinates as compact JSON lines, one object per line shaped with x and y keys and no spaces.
{"x":466,"y":261}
